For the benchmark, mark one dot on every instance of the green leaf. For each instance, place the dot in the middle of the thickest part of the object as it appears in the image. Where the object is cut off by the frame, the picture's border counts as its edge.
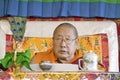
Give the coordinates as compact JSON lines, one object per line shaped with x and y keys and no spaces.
{"x":7,"y":60}
{"x":10,"y":63}
{"x":27,"y":54}
{"x":23,"y":58}
{"x":27,"y":65}
{"x":20,"y":59}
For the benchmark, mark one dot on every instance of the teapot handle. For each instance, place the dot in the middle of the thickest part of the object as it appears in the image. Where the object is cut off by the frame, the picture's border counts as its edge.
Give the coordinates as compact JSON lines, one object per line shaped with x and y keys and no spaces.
{"x":80,"y":64}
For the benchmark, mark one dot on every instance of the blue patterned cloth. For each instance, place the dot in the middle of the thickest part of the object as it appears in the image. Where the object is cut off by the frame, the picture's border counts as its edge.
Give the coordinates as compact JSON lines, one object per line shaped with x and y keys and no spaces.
{"x":61,"y":8}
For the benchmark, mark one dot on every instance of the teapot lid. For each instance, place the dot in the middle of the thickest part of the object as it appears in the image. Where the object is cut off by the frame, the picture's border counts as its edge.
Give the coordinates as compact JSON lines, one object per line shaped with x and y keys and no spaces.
{"x":91,"y":53}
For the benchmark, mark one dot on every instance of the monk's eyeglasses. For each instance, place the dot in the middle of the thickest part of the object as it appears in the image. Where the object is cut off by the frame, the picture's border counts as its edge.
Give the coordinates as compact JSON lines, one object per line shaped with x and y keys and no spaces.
{"x":66,"y":40}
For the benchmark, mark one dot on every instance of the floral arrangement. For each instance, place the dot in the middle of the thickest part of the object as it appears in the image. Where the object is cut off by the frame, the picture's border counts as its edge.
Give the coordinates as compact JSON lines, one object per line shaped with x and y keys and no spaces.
{"x":18,"y":57}
{"x":23,"y":59}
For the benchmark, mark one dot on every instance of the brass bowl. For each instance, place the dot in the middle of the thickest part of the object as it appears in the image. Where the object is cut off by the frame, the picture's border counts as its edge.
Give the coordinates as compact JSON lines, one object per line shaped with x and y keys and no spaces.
{"x":45,"y":65}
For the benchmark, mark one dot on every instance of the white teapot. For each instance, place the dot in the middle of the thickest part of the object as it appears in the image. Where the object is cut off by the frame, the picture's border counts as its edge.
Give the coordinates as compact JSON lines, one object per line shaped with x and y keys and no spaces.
{"x":90,"y":62}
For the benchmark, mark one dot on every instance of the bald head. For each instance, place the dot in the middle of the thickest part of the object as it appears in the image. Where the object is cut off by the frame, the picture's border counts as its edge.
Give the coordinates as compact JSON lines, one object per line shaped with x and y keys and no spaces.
{"x":66,"y":25}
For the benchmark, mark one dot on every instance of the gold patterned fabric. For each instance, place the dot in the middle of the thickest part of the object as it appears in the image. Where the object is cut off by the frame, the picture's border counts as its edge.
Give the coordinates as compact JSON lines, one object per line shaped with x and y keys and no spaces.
{"x":96,"y":42}
{"x":65,"y":76}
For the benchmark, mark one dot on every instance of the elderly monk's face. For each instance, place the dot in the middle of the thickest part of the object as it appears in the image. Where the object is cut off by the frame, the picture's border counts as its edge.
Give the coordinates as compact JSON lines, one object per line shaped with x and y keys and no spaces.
{"x":64,"y":43}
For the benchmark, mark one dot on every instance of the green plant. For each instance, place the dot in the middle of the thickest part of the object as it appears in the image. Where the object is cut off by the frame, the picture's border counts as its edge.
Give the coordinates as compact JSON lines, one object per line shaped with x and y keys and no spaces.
{"x":23,"y":58}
